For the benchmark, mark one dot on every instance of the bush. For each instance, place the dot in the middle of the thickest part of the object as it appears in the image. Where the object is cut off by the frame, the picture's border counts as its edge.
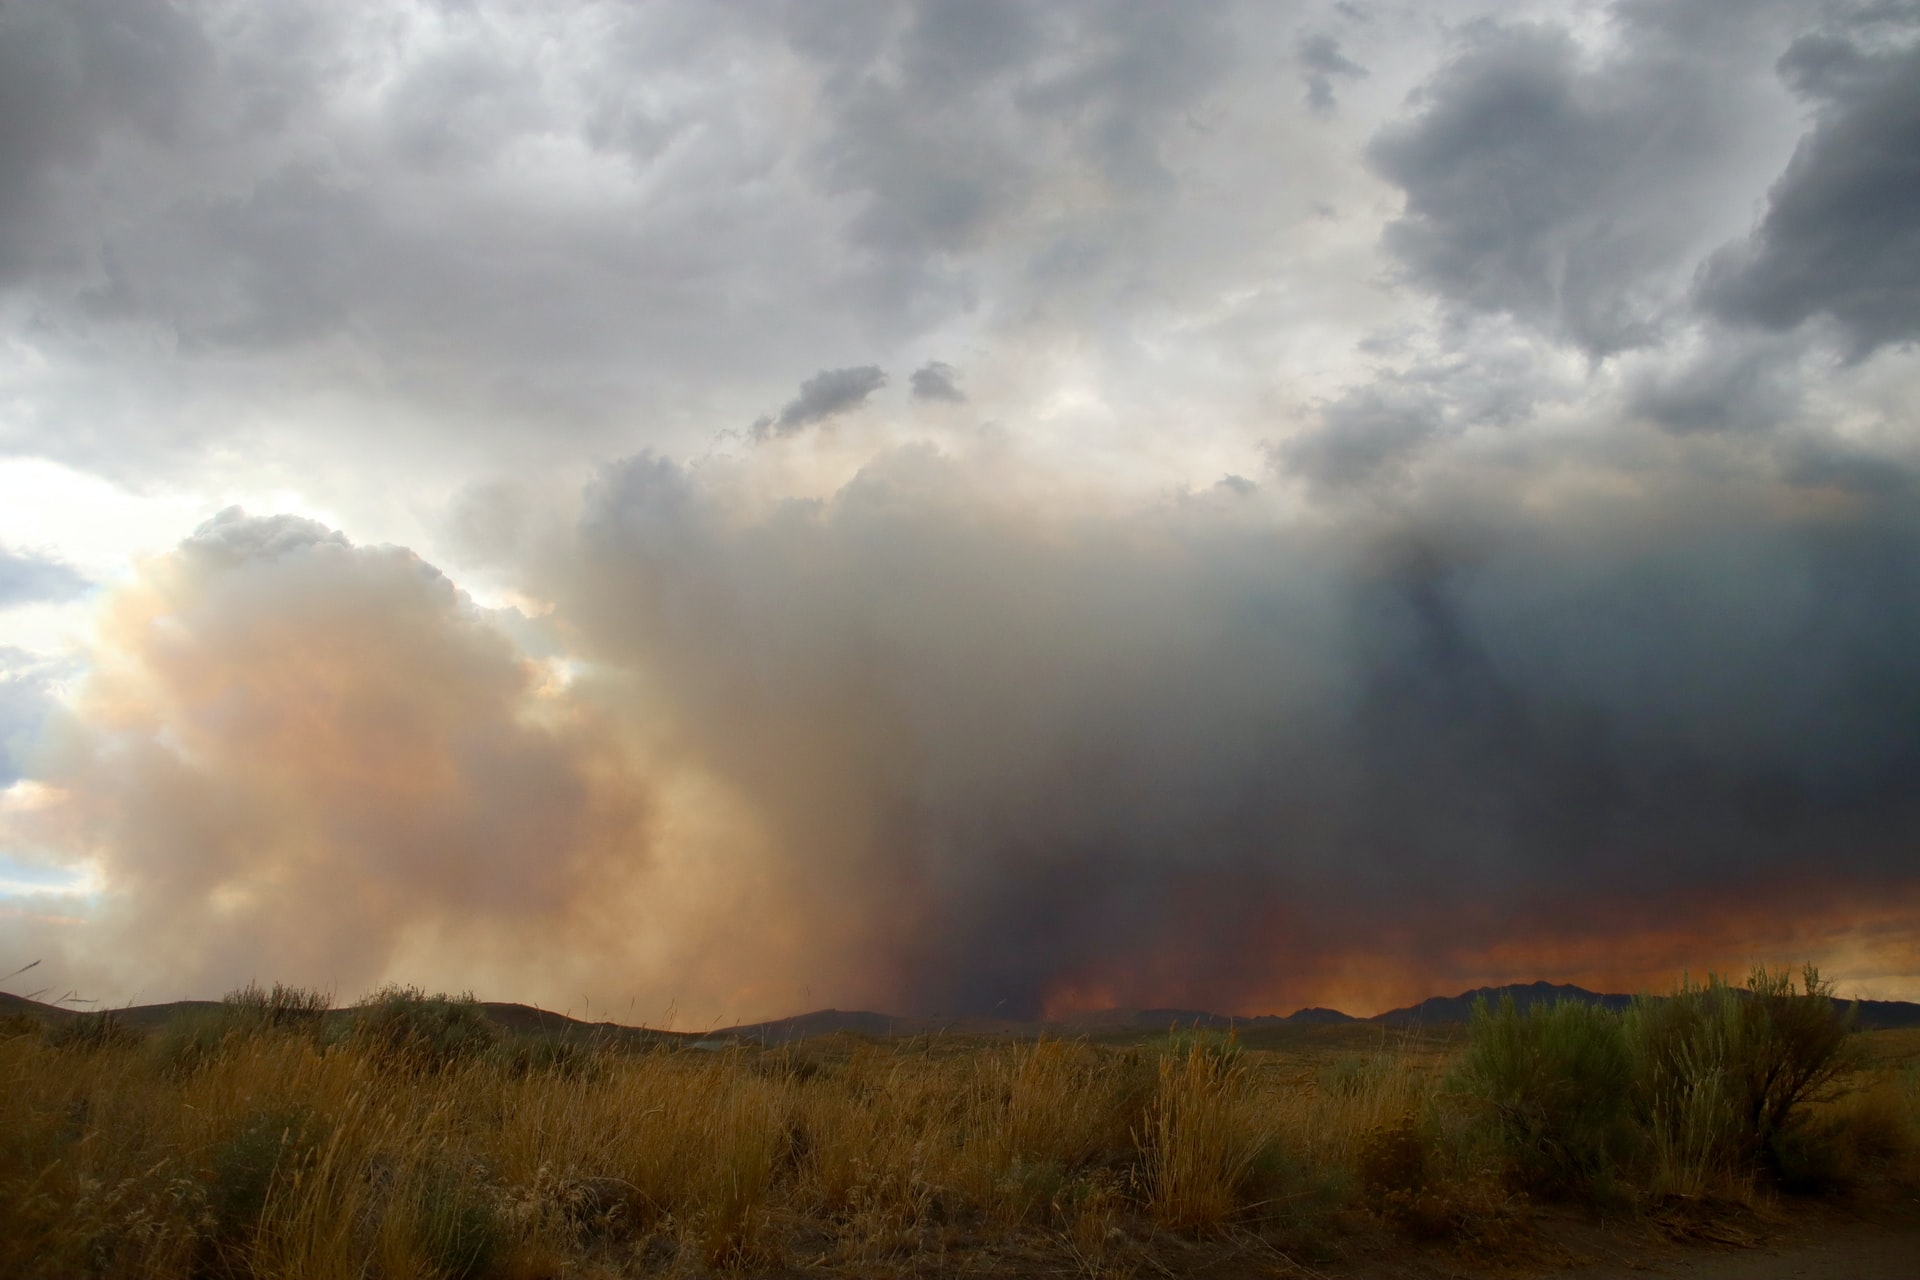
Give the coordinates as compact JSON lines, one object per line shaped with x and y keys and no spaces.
{"x":1724,"y":1077}
{"x":1556,"y":1083}
{"x":191,"y":1040}
{"x":404,"y":1027}
{"x":280,"y":1008}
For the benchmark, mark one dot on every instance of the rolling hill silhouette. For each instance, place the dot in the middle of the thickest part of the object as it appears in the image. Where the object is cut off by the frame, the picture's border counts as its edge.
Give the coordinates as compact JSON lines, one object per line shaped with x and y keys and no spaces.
{"x":1432,"y":1012}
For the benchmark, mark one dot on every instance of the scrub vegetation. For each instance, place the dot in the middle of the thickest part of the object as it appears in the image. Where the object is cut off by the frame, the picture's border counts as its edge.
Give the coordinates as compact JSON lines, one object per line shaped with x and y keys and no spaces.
{"x":412,"y":1137}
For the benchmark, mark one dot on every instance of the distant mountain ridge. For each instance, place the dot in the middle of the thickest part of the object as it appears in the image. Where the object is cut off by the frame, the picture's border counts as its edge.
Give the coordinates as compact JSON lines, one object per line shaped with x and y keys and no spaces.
{"x":1433,"y":1012}
{"x":1443,"y":1009}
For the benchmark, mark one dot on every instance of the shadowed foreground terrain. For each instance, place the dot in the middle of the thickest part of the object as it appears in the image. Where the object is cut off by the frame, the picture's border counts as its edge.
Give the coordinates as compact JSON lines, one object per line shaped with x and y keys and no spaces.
{"x":414,"y":1135}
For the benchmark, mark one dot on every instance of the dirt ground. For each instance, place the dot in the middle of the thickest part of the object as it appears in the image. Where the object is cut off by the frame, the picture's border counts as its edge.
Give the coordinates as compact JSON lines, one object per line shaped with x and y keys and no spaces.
{"x":1814,"y":1241}
{"x":1838,"y":1251}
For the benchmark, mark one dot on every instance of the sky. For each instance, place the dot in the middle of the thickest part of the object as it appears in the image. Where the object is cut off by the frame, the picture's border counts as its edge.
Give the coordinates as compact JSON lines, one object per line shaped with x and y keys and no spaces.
{"x":691,"y":513}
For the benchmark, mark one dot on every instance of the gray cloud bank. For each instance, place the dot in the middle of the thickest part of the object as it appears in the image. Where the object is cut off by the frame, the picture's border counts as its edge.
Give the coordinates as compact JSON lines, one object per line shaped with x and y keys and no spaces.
{"x":568,"y":224}
{"x":397,"y":228}
{"x":1841,"y":235}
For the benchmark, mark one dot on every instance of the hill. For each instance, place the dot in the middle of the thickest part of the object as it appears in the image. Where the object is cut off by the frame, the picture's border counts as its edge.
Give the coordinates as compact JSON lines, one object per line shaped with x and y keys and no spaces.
{"x":1439,"y":1009}
{"x":517,"y":1019}
{"x":1433,"y":1012}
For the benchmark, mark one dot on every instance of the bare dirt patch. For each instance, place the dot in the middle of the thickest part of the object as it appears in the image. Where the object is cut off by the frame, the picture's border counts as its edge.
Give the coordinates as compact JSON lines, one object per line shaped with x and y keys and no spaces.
{"x":1812,"y":1240}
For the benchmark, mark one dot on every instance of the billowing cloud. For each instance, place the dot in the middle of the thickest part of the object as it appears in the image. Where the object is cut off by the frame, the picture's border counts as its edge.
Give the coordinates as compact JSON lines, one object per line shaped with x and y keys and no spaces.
{"x":1542,"y":181}
{"x":1841,"y":234}
{"x":298,"y":756}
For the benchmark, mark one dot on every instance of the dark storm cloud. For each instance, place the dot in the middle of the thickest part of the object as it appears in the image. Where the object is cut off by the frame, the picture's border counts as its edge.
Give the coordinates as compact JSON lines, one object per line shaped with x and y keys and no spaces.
{"x":1546,"y":185}
{"x":1841,"y":234}
{"x":1323,"y":62}
{"x":1169,"y":756}
{"x":937,"y":380}
{"x":827,"y":394}
{"x":26,"y":578}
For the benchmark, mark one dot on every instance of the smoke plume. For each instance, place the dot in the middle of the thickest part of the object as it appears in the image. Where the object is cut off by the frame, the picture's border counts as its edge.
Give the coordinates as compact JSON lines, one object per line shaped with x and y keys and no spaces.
{"x":925,"y":746}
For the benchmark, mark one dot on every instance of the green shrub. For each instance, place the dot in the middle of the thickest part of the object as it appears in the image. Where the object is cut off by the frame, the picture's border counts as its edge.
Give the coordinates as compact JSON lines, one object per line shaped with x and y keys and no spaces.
{"x":192,"y":1039}
{"x":1724,"y":1076}
{"x":403,"y":1027}
{"x":1555,"y":1081}
{"x":279,"y":1008}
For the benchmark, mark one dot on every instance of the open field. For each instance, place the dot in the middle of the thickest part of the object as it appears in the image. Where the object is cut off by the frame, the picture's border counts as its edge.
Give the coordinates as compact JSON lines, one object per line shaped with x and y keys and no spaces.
{"x":415,"y":1138}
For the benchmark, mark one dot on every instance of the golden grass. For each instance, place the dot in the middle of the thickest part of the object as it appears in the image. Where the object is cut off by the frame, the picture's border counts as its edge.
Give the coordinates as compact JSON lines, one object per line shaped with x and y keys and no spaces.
{"x":274,"y":1157}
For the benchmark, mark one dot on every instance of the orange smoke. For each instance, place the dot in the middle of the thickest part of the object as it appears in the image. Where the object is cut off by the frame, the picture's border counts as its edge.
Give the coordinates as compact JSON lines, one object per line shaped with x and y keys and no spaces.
{"x":1870,"y":948}
{"x":303,"y":759}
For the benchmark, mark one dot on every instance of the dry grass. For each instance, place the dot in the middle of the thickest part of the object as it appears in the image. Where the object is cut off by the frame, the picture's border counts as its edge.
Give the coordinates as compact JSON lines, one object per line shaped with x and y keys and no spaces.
{"x":275,"y":1155}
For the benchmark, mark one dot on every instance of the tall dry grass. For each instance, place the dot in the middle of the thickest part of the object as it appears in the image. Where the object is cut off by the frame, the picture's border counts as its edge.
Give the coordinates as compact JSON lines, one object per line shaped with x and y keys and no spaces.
{"x":280,"y":1148}
{"x":279,"y":1154}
